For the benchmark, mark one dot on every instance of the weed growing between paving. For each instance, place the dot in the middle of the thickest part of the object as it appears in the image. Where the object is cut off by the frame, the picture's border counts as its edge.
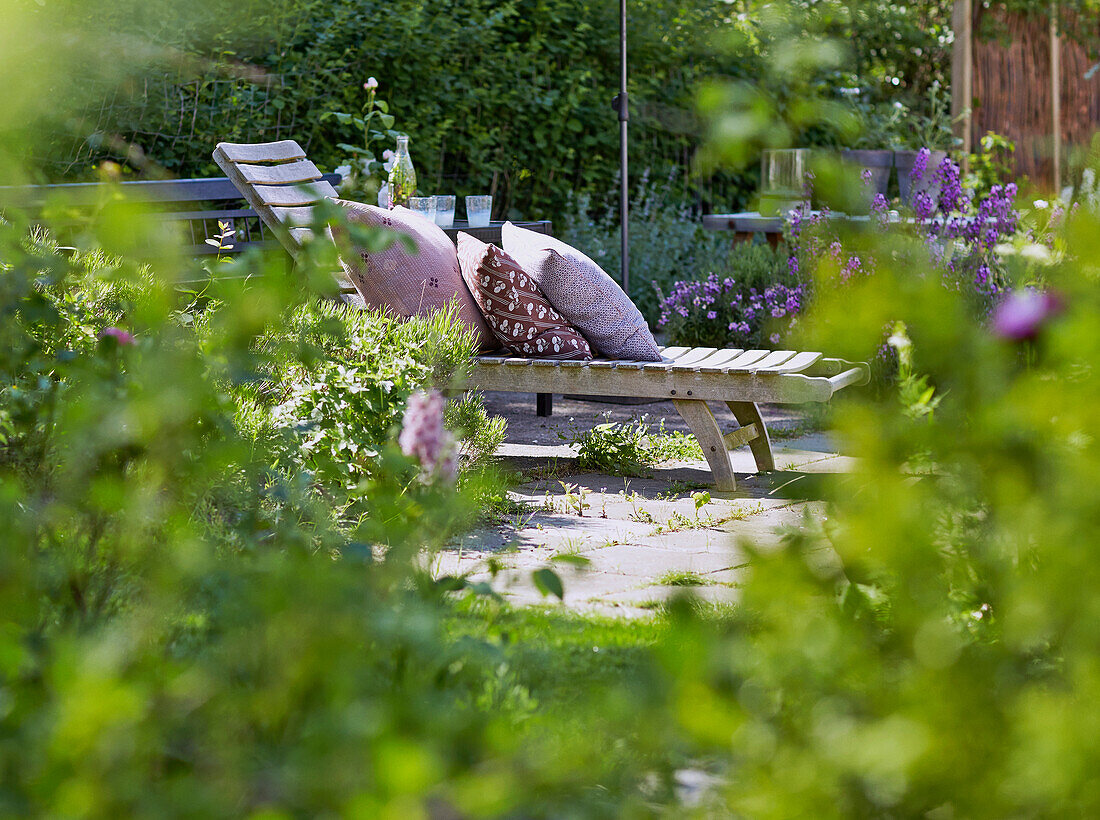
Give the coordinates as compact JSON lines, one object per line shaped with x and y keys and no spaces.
{"x":630,"y":448}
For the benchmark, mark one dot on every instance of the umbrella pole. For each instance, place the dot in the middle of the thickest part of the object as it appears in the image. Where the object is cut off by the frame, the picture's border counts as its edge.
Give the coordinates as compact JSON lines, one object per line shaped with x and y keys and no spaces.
{"x":623,"y":108}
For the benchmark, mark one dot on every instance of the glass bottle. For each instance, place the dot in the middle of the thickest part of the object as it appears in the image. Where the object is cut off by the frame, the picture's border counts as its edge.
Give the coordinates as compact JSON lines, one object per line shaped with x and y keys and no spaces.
{"x":402,"y":175}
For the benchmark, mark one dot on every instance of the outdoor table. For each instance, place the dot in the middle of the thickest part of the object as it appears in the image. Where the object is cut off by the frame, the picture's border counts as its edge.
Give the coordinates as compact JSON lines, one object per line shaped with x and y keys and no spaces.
{"x":491,"y":233}
{"x":746,"y":223}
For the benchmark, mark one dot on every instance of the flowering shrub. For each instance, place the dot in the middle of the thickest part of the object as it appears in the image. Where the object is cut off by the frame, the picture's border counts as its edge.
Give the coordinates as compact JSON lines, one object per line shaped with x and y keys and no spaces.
{"x":960,"y":232}
{"x":721,"y":313}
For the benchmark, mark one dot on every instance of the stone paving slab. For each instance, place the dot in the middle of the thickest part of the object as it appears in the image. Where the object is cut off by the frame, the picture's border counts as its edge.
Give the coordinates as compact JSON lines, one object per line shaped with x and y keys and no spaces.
{"x":637,"y":531}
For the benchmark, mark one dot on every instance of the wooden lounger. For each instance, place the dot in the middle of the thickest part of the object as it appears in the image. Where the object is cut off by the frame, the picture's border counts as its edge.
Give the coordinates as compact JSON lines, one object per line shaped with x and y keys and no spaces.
{"x":282,"y":185}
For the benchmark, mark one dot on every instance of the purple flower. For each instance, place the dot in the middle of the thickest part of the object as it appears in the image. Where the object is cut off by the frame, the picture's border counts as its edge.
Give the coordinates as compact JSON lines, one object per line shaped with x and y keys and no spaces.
{"x":920,"y":165}
{"x":1022,"y":313}
{"x":711,"y":314}
{"x":118,"y":334}
{"x":423,"y":436}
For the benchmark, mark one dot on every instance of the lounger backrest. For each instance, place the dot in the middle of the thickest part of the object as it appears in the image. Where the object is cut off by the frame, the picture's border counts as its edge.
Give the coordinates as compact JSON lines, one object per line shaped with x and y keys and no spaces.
{"x":280,"y":184}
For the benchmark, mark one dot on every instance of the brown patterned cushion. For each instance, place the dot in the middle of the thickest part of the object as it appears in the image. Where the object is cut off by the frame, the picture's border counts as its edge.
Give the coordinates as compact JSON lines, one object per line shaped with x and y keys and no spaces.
{"x":516,"y":311}
{"x":412,"y":284}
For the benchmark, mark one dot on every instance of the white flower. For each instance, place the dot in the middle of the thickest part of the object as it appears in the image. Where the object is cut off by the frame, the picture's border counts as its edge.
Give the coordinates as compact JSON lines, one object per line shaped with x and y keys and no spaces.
{"x":370,"y":84}
{"x":384,"y":196}
{"x":1034,"y":252}
{"x":1041,"y":204}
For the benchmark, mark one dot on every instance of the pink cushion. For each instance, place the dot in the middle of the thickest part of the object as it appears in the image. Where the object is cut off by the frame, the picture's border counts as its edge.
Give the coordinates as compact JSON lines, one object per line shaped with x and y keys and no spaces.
{"x":515,"y":310}
{"x":580,"y":291}
{"x":412,"y":284}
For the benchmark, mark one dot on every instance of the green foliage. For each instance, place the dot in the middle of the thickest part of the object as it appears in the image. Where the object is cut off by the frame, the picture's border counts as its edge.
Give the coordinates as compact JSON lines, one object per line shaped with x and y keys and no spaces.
{"x":190,"y":625}
{"x":629,"y":448}
{"x":809,"y":60}
{"x":333,"y":413}
{"x":667,"y":241}
{"x":991,"y":164}
{"x":480,"y":434}
{"x":894,"y":125}
{"x":363,"y":174}
{"x":523,"y":119}
{"x":491,"y":93}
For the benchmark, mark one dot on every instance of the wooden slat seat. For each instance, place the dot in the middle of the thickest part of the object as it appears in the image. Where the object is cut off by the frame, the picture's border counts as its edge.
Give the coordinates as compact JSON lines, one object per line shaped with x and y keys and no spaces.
{"x":282,"y":186}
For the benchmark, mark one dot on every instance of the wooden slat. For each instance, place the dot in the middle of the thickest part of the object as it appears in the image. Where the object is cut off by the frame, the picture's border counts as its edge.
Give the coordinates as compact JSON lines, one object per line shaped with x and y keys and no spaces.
{"x":741,"y":436}
{"x":796,"y":364}
{"x":776,"y":357}
{"x":673,"y":352}
{"x":283,"y":151}
{"x":689,"y":359}
{"x":295,"y":217}
{"x":614,"y":363}
{"x":668,"y":356}
{"x":747,"y":358}
{"x":294,"y":195}
{"x":289,"y":173}
{"x":719,"y":360}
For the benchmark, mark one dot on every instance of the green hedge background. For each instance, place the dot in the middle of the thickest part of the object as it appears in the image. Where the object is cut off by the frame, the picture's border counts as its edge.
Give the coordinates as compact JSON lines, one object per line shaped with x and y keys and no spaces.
{"x":511,"y":97}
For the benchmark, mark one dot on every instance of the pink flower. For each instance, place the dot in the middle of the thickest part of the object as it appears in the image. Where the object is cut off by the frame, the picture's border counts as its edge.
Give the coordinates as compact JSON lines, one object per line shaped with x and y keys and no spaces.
{"x":370,"y":84}
{"x":423,"y":436}
{"x":118,"y":334}
{"x":1022,"y":313}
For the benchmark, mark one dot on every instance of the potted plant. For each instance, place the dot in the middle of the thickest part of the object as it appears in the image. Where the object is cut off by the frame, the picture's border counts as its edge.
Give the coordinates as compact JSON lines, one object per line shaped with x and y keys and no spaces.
{"x":873,"y":148}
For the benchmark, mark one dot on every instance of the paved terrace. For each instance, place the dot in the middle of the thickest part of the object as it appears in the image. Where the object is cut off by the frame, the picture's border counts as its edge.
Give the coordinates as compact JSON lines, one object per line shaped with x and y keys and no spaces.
{"x":642,"y":537}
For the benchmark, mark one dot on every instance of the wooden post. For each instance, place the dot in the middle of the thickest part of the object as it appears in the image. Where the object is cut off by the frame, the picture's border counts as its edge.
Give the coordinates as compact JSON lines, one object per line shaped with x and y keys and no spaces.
{"x":1056,"y":98}
{"x":962,"y":77}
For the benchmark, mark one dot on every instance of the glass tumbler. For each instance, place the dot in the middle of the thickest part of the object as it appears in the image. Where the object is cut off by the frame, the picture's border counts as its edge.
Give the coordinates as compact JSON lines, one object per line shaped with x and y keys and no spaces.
{"x":445,"y":211}
{"x":424,"y":206}
{"x":478,"y":210}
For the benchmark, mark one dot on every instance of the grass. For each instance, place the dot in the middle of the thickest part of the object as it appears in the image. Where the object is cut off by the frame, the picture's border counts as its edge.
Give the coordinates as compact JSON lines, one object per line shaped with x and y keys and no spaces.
{"x":551,"y":649}
{"x":683,"y":578}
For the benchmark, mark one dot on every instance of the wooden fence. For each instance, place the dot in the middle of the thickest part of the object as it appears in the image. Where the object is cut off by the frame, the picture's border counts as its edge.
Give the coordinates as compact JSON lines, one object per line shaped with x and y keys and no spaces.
{"x":1012,"y":88}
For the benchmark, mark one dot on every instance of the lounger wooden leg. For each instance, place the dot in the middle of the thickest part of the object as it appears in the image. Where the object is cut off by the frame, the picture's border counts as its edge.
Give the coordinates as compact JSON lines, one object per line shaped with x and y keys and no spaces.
{"x":705,"y":427}
{"x":747,"y":413}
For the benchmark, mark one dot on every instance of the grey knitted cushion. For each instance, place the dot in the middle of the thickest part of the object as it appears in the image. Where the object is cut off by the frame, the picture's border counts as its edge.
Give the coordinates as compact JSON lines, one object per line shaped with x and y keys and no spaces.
{"x":584,"y":294}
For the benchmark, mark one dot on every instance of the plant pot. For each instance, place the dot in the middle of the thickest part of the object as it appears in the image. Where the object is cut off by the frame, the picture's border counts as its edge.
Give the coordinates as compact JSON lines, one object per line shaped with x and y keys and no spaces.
{"x":904,"y":161}
{"x":877,"y":161}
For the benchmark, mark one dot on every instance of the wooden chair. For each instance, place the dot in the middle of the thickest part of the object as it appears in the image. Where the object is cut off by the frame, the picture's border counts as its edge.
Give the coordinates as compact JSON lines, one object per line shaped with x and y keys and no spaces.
{"x":282,"y":185}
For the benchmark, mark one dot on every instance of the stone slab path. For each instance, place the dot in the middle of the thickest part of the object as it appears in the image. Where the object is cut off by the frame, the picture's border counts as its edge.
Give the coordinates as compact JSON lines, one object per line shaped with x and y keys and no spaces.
{"x":622,"y":546}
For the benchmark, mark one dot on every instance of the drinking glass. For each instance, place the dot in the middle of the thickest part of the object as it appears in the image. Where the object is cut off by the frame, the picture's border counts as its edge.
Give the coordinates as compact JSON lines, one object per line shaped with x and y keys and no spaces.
{"x":478,"y":210}
{"x":423,"y":205}
{"x":445,"y":211}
